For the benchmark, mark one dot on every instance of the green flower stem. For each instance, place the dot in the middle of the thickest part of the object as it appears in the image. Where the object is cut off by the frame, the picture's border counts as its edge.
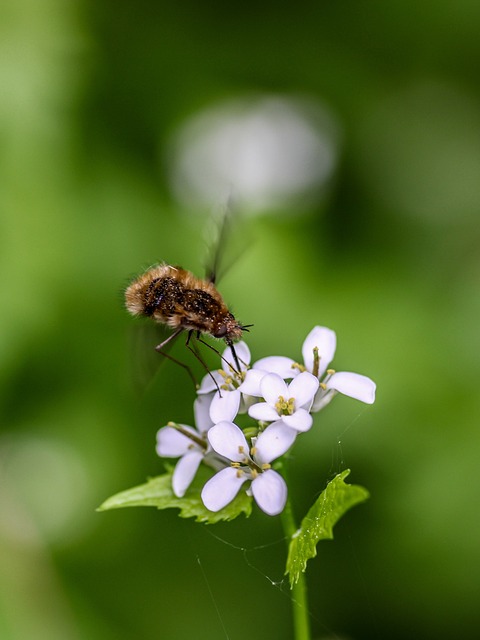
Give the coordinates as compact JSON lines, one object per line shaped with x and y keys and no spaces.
{"x":299,"y":590}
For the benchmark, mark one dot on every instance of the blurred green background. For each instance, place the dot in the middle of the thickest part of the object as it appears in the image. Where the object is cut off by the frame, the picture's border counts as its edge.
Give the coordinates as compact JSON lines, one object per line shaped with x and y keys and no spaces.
{"x":383,"y":247}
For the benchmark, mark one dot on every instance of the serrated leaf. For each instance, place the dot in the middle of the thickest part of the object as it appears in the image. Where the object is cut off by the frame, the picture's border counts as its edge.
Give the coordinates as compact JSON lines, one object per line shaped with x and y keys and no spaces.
{"x":337,"y":498}
{"x":157,"y":492}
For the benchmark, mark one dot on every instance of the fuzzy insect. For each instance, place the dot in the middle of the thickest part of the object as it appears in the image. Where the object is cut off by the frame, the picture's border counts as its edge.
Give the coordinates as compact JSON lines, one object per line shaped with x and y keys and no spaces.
{"x":175,"y":297}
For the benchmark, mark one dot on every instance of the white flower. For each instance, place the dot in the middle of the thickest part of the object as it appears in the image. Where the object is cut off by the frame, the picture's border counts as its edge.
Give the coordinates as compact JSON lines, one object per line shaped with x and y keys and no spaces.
{"x":251,"y":384}
{"x":281,"y":365}
{"x":227,"y":402}
{"x":187,"y":443}
{"x":248,"y":463}
{"x":318,"y":350}
{"x":288,"y":403}
{"x":324,"y":341}
{"x":349,"y":384}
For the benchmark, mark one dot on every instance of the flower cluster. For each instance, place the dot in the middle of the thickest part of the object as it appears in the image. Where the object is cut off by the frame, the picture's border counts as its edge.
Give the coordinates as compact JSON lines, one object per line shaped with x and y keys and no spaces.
{"x":279,"y":395}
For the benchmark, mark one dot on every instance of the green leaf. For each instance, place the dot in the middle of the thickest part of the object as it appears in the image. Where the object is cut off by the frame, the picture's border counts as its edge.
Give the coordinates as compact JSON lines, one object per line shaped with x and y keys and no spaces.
{"x":157,"y":492}
{"x":337,"y":498}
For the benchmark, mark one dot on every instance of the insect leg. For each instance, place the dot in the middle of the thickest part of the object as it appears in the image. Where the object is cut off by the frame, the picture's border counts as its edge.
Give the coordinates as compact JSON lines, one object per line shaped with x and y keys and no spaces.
{"x":169,"y":340}
{"x":171,"y":337}
{"x":237,"y":362}
{"x":200,"y":359}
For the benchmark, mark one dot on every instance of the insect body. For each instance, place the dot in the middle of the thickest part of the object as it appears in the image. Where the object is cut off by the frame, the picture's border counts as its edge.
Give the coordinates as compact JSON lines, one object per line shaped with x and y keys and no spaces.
{"x":175,"y":297}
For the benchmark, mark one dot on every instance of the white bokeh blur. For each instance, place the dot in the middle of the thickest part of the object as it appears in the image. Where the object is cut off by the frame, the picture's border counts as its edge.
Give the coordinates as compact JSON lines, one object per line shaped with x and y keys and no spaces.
{"x":268,"y":153}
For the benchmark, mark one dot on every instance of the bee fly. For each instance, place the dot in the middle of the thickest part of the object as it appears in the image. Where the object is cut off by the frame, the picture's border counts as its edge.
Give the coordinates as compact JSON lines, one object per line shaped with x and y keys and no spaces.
{"x":176,"y":298}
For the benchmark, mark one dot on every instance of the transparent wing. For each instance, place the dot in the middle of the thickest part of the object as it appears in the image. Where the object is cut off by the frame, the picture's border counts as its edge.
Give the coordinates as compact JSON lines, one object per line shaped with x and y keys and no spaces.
{"x":227,"y":240}
{"x":146,"y":361}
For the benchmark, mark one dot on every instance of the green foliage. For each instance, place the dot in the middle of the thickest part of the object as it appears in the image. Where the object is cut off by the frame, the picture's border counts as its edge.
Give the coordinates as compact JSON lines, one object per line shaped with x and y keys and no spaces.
{"x":337,"y":498}
{"x":157,"y":492}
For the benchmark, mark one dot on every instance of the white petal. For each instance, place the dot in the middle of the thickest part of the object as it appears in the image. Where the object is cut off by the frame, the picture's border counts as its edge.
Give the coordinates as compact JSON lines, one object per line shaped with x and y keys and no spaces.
{"x":270,"y":492}
{"x":208,"y":382}
{"x":228,"y":440}
{"x":274,"y":442}
{"x":173,"y":444}
{"x":301,"y":420}
{"x":225,"y":406}
{"x":322,"y":399}
{"x":251,"y":384}
{"x":303,"y":388}
{"x":280,"y":365}
{"x":326,"y":341}
{"x":243,"y":355}
{"x":201,"y":410}
{"x":263,"y":411}
{"x":222,"y":488}
{"x":185,"y":470}
{"x":353,"y":385}
{"x":272,"y":387}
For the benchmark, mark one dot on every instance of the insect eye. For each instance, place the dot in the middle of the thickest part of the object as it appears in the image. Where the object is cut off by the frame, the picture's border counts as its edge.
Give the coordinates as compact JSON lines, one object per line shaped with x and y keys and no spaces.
{"x":221,"y":331}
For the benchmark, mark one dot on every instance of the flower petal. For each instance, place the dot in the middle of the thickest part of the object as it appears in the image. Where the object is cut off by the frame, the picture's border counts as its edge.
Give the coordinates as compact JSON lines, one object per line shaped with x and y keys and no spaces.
{"x":251,"y":384}
{"x":354,"y":385}
{"x":208,"y":382}
{"x":225,"y":406}
{"x":173,"y":444}
{"x":270,"y":492}
{"x":274,"y":442}
{"x":280,"y":365}
{"x":272,"y":386}
{"x":228,"y":440}
{"x":326,"y":341}
{"x":185,"y":471}
{"x":263,"y":411}
{"x":201,"y":410}
{"x":243,"y":355}
{"x":222,"y":488}
{"x":301,"y":420}
{"x":322,"y":399}
{"x":303,"y":388}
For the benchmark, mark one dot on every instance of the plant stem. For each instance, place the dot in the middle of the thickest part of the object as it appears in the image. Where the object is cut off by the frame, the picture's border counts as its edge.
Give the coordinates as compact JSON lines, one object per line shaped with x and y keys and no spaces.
{"x":299,"y":590}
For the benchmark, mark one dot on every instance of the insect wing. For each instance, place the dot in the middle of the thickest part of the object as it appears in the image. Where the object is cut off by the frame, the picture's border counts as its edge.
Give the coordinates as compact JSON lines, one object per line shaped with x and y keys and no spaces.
{"x":146,"y":361}
{"x":226,"y":241}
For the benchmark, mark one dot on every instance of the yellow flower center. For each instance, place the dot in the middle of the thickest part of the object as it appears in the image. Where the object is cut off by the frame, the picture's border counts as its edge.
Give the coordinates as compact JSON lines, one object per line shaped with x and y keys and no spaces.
{"x":231,"y":380}
{"x":285,"y":407}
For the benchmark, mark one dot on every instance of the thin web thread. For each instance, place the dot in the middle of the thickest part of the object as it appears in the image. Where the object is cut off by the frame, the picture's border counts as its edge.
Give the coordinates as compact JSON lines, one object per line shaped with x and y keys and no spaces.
{"x":281,"y":585}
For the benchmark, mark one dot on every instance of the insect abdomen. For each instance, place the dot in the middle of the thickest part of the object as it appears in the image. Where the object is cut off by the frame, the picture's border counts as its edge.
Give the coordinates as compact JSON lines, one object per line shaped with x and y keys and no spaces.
{"x":162,"y":295}
{"x":173,"y":296}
